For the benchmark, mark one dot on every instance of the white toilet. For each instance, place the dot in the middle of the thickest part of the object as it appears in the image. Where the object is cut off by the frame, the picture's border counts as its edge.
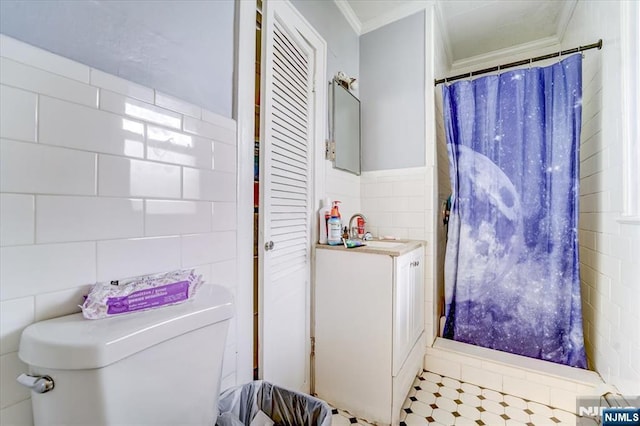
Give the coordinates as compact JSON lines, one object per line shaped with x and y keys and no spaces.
{"x":158,"y":367}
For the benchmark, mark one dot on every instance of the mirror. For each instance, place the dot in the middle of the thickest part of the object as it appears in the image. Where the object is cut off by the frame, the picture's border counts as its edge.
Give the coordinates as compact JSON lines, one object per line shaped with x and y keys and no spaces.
{"x":346,"y":129}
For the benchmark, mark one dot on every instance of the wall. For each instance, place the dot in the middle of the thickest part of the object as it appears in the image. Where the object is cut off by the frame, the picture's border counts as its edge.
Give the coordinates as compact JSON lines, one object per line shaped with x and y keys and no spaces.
{"x":392,"y":64}
{"x":343,"y":51}
{"x":609,"y":247}
{"x":343,"y":44}
{"x":101,"y":179}
{"x":153,"y":43}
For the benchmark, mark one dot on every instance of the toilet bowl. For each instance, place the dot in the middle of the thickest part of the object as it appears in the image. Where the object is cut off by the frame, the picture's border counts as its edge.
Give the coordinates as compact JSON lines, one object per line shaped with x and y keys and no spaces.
{"x":159,"y":367}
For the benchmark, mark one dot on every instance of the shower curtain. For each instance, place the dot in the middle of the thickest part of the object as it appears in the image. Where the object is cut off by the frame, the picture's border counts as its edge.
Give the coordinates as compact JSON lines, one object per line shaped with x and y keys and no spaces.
{"x":511,"y":269}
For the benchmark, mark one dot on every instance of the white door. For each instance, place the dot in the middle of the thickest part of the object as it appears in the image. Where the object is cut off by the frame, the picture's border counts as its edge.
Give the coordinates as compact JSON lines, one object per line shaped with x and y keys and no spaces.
{"x":402,"y":307}
{"x":417,"y":301}
{"x":288,"y":137}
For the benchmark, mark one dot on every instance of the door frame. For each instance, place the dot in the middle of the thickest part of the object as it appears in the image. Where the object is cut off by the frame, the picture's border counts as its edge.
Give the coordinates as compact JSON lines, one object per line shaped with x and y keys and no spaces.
{"x":243,"y":107}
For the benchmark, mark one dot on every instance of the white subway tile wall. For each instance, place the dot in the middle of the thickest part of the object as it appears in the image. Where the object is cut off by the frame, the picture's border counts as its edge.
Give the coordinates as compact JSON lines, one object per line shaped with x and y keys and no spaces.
{"x":169,"y":102}
{"x":125,"y":177}
{"x":62,"y":218}
{"x":12,"y":392}
{"x":210,"y":185}
{"x":399,"y":203}
{"x":199,"y":249}
{"x":17,"y":114}
{"x":17,"y":414}
{"x":17,"y":213}
{"x":59,"y":303}
{"x":119,"y":85}
{"x":345,"y":187}
{"x":224,"y":157}
{"x":609,"y":249}
{"x":123,"y":105}
{"x":163,"y":217}
{"x":224,"y":273}
{"x":41,"y":169}
{"x":219,"y":131}
{"x":177,"y":148}
{"x":95,"y":186}
{"x":15,"y":315}
{"x":38,"y":58}
{"x":71,"y":125}
{"x":43,"y":82}
{"x":150,"y":254}
{"x":224,"y":216}
{"x":28,"y":270}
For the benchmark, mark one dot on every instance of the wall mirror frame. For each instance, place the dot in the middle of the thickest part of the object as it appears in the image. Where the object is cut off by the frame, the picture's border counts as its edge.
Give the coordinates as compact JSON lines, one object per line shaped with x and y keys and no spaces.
{"x":345,"y":128}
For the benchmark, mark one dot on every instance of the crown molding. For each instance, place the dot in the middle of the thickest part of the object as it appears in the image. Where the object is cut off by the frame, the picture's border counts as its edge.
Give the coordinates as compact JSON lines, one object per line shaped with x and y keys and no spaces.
{"x":395,"y":14}
{"x":500,"y":54}
{"x":569,"y":6}
{"x":349,"y":15}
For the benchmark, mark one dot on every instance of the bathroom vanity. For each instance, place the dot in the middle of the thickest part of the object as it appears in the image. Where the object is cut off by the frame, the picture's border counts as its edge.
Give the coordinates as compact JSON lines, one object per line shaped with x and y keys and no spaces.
{"x":369,"y":324}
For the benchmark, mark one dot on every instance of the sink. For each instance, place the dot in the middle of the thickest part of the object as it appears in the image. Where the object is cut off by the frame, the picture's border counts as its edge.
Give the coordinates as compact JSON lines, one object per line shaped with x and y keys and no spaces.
{"x":383,"y":244}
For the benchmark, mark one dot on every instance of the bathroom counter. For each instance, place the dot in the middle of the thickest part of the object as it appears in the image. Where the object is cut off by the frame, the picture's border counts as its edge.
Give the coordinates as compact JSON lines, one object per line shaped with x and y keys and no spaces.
{"x":386,"y":247}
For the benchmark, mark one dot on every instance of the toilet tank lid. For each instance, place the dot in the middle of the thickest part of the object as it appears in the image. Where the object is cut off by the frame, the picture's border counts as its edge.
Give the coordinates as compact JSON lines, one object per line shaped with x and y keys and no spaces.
{"x":73,"y":342}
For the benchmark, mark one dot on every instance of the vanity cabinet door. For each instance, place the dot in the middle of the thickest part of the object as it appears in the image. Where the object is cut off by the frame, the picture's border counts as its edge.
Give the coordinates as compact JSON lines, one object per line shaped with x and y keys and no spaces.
{"x":408,"y":320}
{"x":417,"y":283}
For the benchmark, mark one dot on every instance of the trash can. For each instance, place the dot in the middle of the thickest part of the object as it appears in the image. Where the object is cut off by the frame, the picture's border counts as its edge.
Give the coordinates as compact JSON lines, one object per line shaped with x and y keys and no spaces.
{"x":239,"y":406}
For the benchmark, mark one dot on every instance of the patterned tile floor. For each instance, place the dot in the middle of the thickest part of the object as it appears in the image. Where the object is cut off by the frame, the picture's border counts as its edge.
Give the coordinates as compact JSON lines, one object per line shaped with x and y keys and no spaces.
{"x":438,"y":400}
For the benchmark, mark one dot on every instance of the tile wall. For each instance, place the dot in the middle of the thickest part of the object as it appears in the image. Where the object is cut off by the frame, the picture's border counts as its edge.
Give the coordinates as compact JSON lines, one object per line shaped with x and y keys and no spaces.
{"x":102,"y":179}
{"x":343,"y":186}
{"x":399,"y":203}
{"x":609,"y":246}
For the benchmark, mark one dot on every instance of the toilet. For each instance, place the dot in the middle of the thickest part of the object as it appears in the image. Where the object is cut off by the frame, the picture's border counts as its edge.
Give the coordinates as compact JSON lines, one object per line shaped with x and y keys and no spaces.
{"x":157,"y":367}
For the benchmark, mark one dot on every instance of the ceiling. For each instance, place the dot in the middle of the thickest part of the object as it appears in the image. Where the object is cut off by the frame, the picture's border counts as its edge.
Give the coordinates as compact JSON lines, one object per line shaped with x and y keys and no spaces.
{"x":472,"y":28}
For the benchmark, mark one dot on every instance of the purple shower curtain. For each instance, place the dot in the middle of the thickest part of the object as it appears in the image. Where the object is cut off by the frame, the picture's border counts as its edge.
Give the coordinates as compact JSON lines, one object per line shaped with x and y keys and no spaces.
{"x":511,"y":269}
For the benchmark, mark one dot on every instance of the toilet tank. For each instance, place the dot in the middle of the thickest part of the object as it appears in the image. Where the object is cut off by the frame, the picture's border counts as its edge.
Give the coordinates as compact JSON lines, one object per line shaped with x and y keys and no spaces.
{"x":158,"y":367}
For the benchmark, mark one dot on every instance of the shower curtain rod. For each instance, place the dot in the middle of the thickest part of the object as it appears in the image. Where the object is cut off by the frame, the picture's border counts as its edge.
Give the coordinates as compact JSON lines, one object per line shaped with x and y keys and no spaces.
{"x":597,"y":45}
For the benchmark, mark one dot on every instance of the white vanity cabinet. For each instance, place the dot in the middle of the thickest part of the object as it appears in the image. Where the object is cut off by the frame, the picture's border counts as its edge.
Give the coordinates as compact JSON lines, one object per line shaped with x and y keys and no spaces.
{"x":368,"y":327}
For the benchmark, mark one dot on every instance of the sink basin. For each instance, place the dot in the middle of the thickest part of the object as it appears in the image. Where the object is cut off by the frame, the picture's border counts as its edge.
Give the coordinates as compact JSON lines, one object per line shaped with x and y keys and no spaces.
{"x":383,"y":244}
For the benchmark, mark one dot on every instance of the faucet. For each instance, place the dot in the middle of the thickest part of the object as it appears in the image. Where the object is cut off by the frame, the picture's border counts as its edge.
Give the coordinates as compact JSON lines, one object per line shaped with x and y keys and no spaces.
{"x":353,"y":230}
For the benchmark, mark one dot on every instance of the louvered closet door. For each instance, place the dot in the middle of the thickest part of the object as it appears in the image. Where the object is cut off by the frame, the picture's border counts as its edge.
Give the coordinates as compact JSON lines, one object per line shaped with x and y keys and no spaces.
{"x":286,"y":199}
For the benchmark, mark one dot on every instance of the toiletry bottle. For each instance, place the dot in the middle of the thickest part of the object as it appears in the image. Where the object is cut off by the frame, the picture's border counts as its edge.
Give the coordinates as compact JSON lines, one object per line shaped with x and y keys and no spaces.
{"x":324,"y":214}
{"x":334,"y":236}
